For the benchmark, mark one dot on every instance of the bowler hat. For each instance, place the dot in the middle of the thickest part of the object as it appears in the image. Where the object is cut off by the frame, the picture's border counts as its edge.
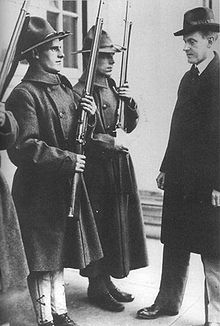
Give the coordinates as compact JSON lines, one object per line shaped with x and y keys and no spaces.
{"x":105,"y":44}
{"x":198,"y":19}
{"x":38,"y":32}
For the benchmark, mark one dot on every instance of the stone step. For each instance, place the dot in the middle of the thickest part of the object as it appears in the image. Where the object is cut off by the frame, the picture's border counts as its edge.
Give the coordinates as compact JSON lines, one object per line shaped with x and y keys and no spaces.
{"x":151,"y":203}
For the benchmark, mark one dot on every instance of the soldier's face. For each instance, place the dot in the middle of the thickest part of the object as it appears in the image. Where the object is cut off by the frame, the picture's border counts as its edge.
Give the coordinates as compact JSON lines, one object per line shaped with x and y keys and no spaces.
{"x":197,"y":47}
{"x":105,"y":64}
{"x":50,"y":56}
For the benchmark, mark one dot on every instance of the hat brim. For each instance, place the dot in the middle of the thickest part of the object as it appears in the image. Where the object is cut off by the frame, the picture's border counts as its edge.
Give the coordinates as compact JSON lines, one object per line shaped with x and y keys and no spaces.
{"x":59,"y":35}
{"x":212,"y":27}
{"x":109,"y":49}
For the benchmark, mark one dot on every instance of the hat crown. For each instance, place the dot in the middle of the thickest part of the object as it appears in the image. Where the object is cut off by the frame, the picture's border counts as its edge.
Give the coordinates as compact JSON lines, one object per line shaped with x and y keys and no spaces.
{"x":197,"y":19}
{"x":198,"y":16}
{"x":105,"y":40}
{"x":38,"y":30}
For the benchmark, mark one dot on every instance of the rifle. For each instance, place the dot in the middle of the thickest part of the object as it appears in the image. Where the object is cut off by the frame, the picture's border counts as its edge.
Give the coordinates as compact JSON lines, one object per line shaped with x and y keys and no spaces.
{"x":83,"y":119}
{"x":120,"y":122}
{"x":11,"y":58}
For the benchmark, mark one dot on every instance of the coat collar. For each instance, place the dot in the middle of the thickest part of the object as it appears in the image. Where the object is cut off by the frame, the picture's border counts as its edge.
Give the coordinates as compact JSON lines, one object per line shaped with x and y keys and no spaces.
{"x":211,"y":66}
{"x":99,"y":81}
{"x":37,"y":74}
{"x":214,"y":63}
{"x":201,"y":66}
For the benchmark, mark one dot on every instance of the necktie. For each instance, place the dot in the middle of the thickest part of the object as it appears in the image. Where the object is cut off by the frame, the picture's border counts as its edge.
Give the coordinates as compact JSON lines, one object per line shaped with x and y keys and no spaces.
{"x":194,"y":72}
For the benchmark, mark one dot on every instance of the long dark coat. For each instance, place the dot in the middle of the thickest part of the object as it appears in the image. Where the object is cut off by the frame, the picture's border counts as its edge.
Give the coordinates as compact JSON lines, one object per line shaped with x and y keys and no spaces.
{"x":192,"y":165}
{"x":112,"y":188}
{"x":13,"y":264}
{"x":44,"y":107}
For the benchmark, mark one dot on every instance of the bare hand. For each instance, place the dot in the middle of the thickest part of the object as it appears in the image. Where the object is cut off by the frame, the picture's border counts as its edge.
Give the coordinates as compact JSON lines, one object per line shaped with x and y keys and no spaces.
{"x":2,"y":114}
{"x":88,"y":104}
{"x":216,"y":198}
{"x":160,"y":180}
{"x":80,"y":163}
{"x":124,"y":91}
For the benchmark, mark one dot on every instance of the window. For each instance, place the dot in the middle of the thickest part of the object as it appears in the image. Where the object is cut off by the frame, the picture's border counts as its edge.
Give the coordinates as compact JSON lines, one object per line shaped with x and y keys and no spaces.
{"x":207,"y":3}
{"x":66,"y":15}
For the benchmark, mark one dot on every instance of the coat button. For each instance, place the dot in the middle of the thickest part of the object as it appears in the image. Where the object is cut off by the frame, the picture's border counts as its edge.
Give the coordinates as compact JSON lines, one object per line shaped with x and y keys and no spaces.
{"x":61,"y":114}
{"x":104,"y":106}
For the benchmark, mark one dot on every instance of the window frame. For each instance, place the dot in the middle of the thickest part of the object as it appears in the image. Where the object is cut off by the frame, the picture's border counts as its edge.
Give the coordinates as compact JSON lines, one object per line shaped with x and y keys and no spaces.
{"x":70,"y":71}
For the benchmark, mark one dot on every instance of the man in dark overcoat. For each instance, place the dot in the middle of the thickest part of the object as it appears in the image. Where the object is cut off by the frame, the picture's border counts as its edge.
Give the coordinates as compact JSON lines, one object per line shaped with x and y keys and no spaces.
{"x":111,"y":183}
{"x":44,"y":106}
{"x":13,"y":264}
{"x":190,"y":174}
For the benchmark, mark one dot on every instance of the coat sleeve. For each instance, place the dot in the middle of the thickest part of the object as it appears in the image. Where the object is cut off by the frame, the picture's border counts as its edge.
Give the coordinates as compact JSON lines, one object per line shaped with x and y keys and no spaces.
{"x":166,"y":159}
{"x":214,"y":146}
{"x":8,"y":132}
{"x":30,"y":150}
{"x":131,"y":115}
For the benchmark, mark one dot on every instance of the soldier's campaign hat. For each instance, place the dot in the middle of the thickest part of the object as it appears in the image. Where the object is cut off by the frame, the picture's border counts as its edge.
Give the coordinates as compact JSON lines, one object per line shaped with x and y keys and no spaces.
{"x":198,"y":19}
{"x":105,"y":46}
{"x":39,"y":32}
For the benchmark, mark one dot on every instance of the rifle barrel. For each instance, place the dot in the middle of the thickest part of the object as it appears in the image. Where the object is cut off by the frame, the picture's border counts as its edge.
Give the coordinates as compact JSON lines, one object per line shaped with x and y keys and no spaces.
{"x":11,"y":50}
{"x":120,"y":123}
{"x":83,"y":120}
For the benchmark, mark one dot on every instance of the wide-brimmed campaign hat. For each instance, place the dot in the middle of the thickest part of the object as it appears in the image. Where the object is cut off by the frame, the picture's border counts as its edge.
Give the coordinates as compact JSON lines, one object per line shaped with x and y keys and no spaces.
{"x":105,"y":46}
{"x":198,"y":19}
{"x":39,"y":32}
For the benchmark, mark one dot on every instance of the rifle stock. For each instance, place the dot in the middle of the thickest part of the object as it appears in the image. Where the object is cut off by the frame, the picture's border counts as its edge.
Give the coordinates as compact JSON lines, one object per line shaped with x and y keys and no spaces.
{"x":83,"y":120}
{"x":120,"y":122}
{"x":11,"y":58}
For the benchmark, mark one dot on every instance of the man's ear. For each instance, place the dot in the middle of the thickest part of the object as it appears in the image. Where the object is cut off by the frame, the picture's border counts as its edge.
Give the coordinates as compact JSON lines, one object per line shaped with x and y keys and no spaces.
{"x":211,"y":41}
{"x":35,"y":54}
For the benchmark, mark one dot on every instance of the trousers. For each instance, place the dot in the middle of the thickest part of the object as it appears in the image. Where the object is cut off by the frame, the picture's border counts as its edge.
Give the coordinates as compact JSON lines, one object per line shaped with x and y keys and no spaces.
{"x":48,"y":294}
{"x":174,"y":277}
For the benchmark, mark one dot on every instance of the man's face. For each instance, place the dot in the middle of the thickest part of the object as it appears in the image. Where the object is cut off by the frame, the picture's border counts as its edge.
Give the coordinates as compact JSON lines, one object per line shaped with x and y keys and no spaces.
{"x":105,"y":64}
{"x":197,"y":47}
{"x":50,"y":56}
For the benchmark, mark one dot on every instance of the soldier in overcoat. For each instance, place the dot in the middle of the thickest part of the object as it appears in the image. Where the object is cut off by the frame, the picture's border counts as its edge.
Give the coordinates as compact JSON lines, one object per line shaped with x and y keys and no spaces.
{"x":111,"y":184}
{"x":44,"y":106}
{"x":13,"y":264}
{"x":190,"y":174}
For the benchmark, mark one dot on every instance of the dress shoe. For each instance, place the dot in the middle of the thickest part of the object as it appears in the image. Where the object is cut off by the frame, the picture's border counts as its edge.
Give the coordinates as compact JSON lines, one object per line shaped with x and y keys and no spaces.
{"x":154,"y":312}
{"x":117,"y":294}
{"x":105,"y":301}
{"x":121,"y":296}
{"x":49,"y":323}
{"x":63,"y":320}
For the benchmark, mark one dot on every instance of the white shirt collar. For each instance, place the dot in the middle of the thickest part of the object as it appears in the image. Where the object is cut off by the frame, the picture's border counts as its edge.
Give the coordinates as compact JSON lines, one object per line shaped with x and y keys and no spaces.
{"x":202,"y":65}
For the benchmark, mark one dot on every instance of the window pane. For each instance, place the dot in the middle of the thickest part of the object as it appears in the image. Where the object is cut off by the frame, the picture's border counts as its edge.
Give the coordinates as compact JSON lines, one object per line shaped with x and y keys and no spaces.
{"x":52,"y":19}
{"x":70,"y":5}
{"x":53,"y":4}
{"x":70,"y":42}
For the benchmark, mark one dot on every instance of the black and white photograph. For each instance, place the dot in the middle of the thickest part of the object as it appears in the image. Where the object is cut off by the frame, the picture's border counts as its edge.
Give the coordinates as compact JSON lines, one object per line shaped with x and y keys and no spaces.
{"x":109,"y":163}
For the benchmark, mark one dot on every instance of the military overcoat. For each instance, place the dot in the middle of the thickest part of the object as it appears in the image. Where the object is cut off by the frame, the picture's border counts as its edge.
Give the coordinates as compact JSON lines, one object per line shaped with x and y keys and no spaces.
{"x":192,"y":165}
{"x":112,"y":187}
{"x":44,"y":106}
{"x":13,"y":264}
